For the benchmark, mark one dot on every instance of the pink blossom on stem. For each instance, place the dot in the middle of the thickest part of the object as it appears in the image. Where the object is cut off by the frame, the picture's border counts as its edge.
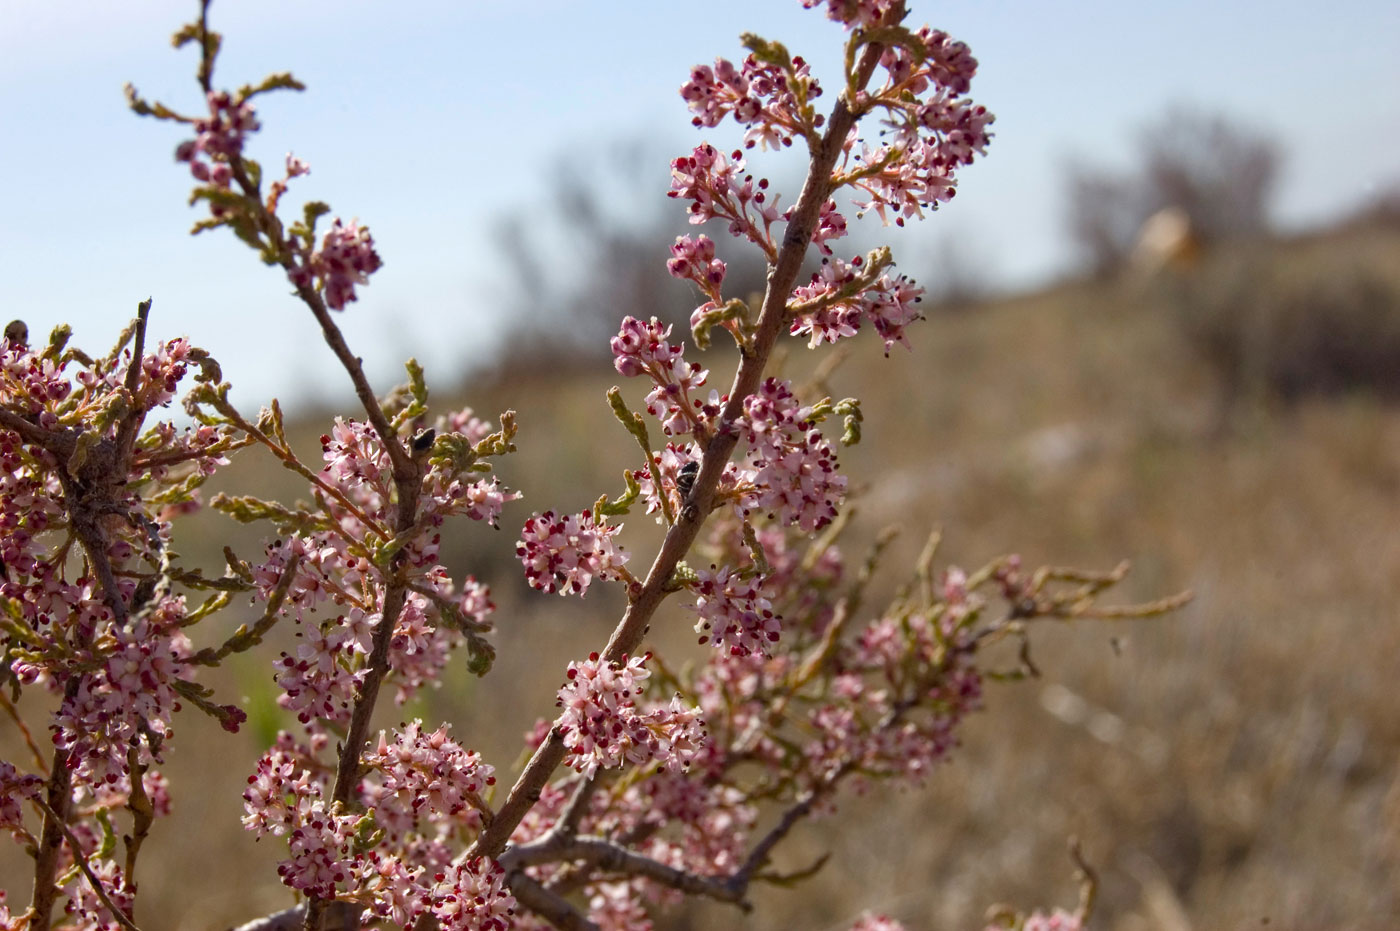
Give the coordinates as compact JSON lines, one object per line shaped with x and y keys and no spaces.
{"x":794,"y":467}
{"x":772,"y":101}
{"x":717,"y":189}
{"x":16,"y":787}
{"x":424,"y":773}
{"x":603,"y":727}
{"x":346,"y":258}
{"x":565,"y":554}
{"x":734,"y":614}
{"x":839,"y":299}
{"x":87,"y":909}
{"x":219,"y":137}
{"x":317,"y":681}
{"x":645,"y":349}
{"x":320,"y":846}
{"x":852,"y":13}
{"x":694,"y":260}
{"x":472,"y":896}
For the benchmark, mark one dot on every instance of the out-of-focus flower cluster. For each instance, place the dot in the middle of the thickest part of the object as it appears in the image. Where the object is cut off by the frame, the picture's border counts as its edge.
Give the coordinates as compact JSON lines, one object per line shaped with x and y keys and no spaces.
{"x":218,"y":138}
{"x":346,"y":259}
{"x":231,"y":185}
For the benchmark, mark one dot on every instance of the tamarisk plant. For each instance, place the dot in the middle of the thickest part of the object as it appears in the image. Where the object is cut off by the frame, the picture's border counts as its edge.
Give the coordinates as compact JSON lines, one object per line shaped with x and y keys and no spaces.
{"x":655,"y":781}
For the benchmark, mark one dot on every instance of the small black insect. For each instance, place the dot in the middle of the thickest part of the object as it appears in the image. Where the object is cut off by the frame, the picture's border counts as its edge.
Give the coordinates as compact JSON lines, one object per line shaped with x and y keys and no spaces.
{"x":685,"y":481}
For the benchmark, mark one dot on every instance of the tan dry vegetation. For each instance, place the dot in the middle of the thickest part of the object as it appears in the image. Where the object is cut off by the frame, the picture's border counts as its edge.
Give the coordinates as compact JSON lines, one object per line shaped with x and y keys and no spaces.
{"x":1231,"y":766}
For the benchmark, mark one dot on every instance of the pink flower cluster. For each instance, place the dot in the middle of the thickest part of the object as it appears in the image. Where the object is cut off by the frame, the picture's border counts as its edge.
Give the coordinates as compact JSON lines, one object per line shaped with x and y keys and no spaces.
{"x":775,"y":103}
{"x":717,"y":188}
{"x":84,"y":904}
{"x":15,"y":788}
{"x":873,"y":922}
{"x":218,"y":137}
{"x":334,"y":564}
{"x":346,"y":259}
{"x":694,"y":260}
{"x":565,"y":554}
{"x":830,"y":225}
{"x":838,"y":300}
{"x":1058,"y":920}
{"x":852,"y":13}
{"x":133,"y":691}
{"x":603,"y":726}
{"x":676,"y":467}
{"x":792,"y":466}
{"x":472,"y":896}
{"x":913,"y":166}
{"x":116,"y":683}
{"x":644,"y":349}
{"x":734,"y":614}
{"x":416,"y":776}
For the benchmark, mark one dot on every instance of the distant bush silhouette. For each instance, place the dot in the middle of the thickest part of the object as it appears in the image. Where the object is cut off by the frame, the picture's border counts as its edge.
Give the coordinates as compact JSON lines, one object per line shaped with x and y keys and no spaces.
{"x":1280,"y":331}
{"x":1218,"y":173}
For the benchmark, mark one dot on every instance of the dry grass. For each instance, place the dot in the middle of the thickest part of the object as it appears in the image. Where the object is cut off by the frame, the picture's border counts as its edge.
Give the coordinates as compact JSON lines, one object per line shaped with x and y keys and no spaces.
{"x":1228,"y":766}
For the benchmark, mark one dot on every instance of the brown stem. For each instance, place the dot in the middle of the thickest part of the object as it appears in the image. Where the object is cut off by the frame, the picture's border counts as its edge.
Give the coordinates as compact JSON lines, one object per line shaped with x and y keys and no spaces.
{"x":126,"y":430}
{"x":60,"y":796}
{"x":553,"y":908}
{"x":142,"y":814}
{"x":81,"y":860}
{"x":782,"y":275}
{"x":89,"y":532}
{"x":60,"y":443}
{"x":24,"y":731}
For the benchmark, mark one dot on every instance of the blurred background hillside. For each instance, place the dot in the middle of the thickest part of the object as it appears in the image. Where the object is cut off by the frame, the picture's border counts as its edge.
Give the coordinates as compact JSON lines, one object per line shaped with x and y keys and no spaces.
{"x":1173,"y":338}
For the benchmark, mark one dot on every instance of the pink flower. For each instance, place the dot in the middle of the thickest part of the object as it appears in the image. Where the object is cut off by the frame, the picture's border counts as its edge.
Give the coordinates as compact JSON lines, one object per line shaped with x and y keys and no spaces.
{"x":472,"y":896}
{"x":645,"y":349}
{"x":793,"y":466}
{"x":694,"y":260}
{"x":734,"y":614}
{"x":603,"y":727}
{"x":852,"y":13}
{"x":717,"y":190}
{"x":772,"y":101}
{"x":566,"y":554}
{"x":346,"y":258}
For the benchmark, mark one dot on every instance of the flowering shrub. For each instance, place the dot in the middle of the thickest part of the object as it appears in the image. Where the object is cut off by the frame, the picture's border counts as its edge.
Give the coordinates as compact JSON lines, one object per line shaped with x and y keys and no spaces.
{"x":672,"y":783}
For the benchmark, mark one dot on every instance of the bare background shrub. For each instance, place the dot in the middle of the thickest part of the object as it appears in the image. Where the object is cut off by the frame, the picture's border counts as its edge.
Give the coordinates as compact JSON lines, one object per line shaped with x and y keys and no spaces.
{"x":568,"y":285}
{"x":1296,"y":320}
{"x":1212,"y":168}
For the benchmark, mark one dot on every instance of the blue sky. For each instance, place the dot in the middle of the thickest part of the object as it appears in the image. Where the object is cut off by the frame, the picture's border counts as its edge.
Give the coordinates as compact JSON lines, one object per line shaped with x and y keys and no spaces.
{"x":431,"y":120}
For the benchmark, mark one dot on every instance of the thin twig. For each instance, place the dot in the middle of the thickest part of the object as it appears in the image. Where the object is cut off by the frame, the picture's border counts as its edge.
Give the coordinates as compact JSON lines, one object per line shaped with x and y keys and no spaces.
{"x":13,"y":712}
{"x":81,"y":859}
{"x":553,"y":908}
